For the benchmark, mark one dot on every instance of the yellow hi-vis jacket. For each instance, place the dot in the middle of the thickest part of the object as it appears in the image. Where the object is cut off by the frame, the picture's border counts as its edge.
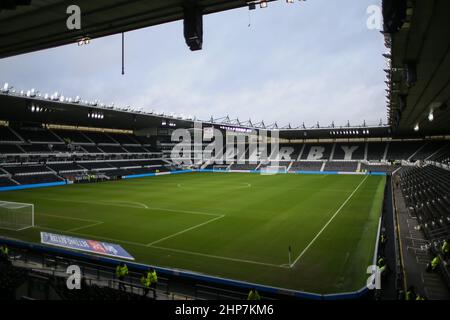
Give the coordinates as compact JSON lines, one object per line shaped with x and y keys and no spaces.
{"x":435,"y":262}
{"x":445,"y":247}
{"x":153,"y":277}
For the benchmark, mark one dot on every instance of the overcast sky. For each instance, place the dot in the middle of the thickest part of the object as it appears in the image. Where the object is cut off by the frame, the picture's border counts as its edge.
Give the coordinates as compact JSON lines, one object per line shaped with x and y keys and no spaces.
{"x":303,"y":62}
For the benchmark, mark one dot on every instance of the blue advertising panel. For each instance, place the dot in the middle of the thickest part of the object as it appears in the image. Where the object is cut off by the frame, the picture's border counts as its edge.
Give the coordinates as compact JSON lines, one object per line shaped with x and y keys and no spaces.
{"x":91,"y":246}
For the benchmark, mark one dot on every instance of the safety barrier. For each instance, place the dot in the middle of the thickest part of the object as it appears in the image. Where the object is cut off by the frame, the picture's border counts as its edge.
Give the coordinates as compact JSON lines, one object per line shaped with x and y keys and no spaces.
{"x":185,"y":274}
{"x":34,"y":185}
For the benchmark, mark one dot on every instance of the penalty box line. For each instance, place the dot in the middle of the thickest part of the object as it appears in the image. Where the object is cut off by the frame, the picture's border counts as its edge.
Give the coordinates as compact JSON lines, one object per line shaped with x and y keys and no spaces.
{"x":93,"y":224}
{"x":328,"y":222}
{"x":185,"y":230}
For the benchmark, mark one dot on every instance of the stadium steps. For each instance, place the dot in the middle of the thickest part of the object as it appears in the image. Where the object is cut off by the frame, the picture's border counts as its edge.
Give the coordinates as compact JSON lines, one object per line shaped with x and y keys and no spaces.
{"x":333,"y":148}
{"x":415,"y":255}
{"x":289,"y":166}
{"x":366,"y":153}
{"x":16,"y":134}
{"x":386,"y":150}
{"x":417,"y":151}
{"x":86,"y":137}
{"x":437,"y":152}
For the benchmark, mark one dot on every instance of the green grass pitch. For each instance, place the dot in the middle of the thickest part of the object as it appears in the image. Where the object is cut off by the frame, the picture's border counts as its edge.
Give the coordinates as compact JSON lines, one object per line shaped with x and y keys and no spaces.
{"x":232,"y":225}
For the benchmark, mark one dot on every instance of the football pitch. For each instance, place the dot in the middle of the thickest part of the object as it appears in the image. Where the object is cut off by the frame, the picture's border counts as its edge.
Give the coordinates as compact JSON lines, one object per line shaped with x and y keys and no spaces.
{"x":233,"y":225}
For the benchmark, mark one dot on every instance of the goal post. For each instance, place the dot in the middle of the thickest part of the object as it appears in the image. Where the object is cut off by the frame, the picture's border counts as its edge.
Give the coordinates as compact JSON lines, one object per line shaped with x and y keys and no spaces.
{"x":16,"y":215}
{"x":269,"y":170}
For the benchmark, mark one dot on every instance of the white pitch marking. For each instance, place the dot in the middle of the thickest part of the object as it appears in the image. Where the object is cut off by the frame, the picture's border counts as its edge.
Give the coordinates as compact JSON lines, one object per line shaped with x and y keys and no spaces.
{"x":68,"y":218}
{"x":185,"y":230}
{"x":245,"y":185}
{"x":94,"y":222}
{"x":329,"y":221}
{"x":139,"y":204}
{"x":85,"y":227}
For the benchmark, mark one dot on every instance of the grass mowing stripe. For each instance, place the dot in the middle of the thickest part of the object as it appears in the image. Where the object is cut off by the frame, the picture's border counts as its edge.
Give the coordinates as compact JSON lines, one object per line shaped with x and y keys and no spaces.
{"x":329,"y":221}
{"x":185,"y":230}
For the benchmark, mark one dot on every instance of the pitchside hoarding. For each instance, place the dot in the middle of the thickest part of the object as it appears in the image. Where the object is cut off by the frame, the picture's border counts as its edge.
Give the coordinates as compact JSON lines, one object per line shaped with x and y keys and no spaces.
{"x":91,"y":246}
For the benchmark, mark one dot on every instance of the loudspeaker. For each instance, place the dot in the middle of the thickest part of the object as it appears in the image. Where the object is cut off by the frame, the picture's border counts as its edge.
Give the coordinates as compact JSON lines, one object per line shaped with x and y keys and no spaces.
{"x":193,"y":27}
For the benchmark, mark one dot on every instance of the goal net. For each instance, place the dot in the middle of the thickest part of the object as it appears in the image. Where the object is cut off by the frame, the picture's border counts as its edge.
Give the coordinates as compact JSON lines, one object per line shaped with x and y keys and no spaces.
{"x":16,"y":216}
{"x":269,"y":170}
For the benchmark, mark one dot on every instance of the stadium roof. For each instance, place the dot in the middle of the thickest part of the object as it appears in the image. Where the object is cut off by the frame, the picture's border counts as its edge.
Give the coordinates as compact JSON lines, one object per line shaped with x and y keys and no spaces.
{"x":30,"y":107}
{"x":41,"y":24}
{"x":419,"y":74}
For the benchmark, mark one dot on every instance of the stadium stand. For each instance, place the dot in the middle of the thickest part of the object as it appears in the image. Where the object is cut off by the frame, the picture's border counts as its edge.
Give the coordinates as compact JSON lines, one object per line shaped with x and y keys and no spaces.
{"x":73,"y":136}
{"x":341,"y":166}
{"x":5,"y":181}
{"x":403,"y":150}
{"x":38,"y":135}
{"x":317,"y":152}
{"x":349,"y":151}
{"x":7,"y":135}
{"x":41,"y":178}
{"x":376,"y":151}
{"x":307,"y":166}
{"x":10,"y":149}
{"x":426,"y":193}
{"x":100,"y":138}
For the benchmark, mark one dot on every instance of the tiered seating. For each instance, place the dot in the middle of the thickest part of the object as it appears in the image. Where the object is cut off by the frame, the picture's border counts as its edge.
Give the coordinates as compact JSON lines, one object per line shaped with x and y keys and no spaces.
{"x":292,"y":149}
{"x":65,"y":167}
{"x":5,"y":181}
{"x":378,"y":168}
{"x":144,"y":140}
{"x":6,"y":135}
{"x":317,"y":151}
{"x":123,"y":138}
{"x":10,"y":149}
{"x":428,"y":149}
{"x":134,"y":149}
{"x":306,"y":166}
{"x":99,"y":137}
{"x":402,"y":150}
{"x":92,"y":149}
{"x":36,"y":148}
{"x":112,"y":149}
{"x":38,"y":135}
{"x":124,"y":164}
{"x":156,"y":162}
{"x":243,"y":166}
{"x":375,"y":151}
{"x":72,"y":136}
{"x":427,"y":194}
{"x":26,"y":169}
{"x":344,"y":166}
{"x":443,"y":155}
{"x":349,"y":151}
{"x":41,"y":178}
{"x":95,"y":165}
